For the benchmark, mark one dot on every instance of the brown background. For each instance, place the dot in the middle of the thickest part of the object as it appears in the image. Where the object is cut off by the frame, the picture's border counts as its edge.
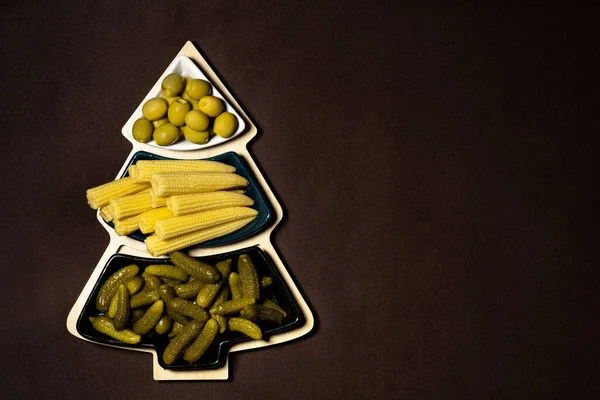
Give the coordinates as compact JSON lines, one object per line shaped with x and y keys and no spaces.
{"x":433,"y":164}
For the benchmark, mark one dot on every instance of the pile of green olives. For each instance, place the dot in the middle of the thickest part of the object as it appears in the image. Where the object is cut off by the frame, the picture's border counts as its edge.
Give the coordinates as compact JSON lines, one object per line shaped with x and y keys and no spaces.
{"x":186,"y":107}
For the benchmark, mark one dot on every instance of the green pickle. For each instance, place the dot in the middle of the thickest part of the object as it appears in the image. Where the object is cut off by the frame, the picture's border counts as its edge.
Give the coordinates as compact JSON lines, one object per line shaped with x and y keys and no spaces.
{"x":167,"y":271}
{"x":152,"y":282}
{"x":208,"y":292}
{"x":137,"y":314}
{"x":248,"y":277}
{"x":271,"y":304}
{"x":109,"y":288}
{"x":164,"y":324}
{"x":121,"y":317}
{"x":134,"y":285}
{"x":235,"y":285}
{"x":199,"y":270}
{"x":167,"y":294}
{"x":105,"y":325}
{"x":189,"y":309}
{"x":144,"y":298}
{"x":202,"y":342}
{"x":266,"y":281}
{"x":183,"y":339}
{"x":149,"y":319}
{"x":256,"y":312}
{"x":112,"y":308}
{"x":245,"y":326}
{"x":232,"y":306}
{"x":189,"y":290}
{"x":175,"y":328}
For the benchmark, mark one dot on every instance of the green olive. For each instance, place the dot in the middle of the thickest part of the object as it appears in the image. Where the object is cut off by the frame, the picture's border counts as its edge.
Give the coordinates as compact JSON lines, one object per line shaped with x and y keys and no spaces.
{"x":197,"y":88}
{"x":197,"y":120}
{"x":211,"y":106}
{"x":172,"y":85}
{"x":160,"y":122}
{"x":177,"y":111}
{"x":155,"y":108}
{"x":195,"y":136}
{"x":166,"y":135}
{"x":193,"y":102}
{"x":142,"y":130}
{"x":225,"y":124}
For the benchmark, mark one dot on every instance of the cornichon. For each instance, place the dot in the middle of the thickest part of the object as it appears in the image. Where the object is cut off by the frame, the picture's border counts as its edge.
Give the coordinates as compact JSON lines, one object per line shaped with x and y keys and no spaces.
{"x":164,"y":324}
{"x":137,"y":314}
{"x":144,"y":298}
{"x":256,"y":312}
{"x":109,"y":288}
{"x":189,"y":309}
{"x":209,"y":291}
{"x":266,"y":281}
{"x":232,"y":306}
{"x":112,"y":308}
{"x":167,"y":294}
{"x":175,"y":329}
{"x":199,"y":270}
{"x":202,"y":342}
{"x":189,"y":290}
{"x":271,"y":304}
{"x":245,"y":326}
{"x":152,"y":282}
{"x":248,"y":277}
{"x":221,"y":297}
{"x":187,"y":334}
{"x":134,"y":285}
{"x":121,"y":317}
{"x":150,"y":318}
{"x":105,"y":325}
{"x":235,"y":285}
{"x":167,"y":271}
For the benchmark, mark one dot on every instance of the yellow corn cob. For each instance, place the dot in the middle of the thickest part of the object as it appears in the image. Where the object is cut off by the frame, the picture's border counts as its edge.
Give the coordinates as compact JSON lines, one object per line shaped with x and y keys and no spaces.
{"x":130,"y":205}
{"x":100,"y":196}
{"x":126,"y":225}
{"x":157,"y":201}
{"x":172,"y":183}
{"x":106,"y":214}
{"x":133,"y":172}
{"x":157,"y":246}
{"x":148,"y":218}
{"x":196,"y":202}
{"x":171,"y":227}
{"x":146,"y":168}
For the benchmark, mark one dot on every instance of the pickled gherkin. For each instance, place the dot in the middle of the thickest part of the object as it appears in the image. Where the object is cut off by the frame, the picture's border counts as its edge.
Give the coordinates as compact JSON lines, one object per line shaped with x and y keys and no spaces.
{"x":152,"y":282}
{"x":189,"y":309}
{"x":208,"y":292}
{"x":105,"y":325}
{"x":167,"y":294}
{"x":134,"y":285}
{"x":109,"y":288}
{"x":183,"y":339}
{"x":232,"y":306}
{"x":202,"y":342}
{"x":167,"y":271}
{"x":271,"y":304}
{"x":235,"y":285}
{"x":199,"y":270}
{"x":121,"y":317}
{"x":189,"y":290}
{"x":164,"y":324}
{"x":144,"y":298}
{"x":149,"y":319}
{"x":245,"y":326}
{"x":256,"y":312}
{"x":248,"y":277}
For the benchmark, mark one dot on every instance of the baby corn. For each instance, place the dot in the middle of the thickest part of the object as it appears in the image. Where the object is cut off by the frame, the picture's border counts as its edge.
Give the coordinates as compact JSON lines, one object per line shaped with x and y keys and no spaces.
{"x":196,"y":202}
{"x":126,"y":225}
{"x":148,"y":218}
{"x":146,"y":168}
{"x":171,"y":227}
{"x":157,"y":246}
{"x":130,"y":205}
{"x":100,"y":196}
{"x":173,"y":183}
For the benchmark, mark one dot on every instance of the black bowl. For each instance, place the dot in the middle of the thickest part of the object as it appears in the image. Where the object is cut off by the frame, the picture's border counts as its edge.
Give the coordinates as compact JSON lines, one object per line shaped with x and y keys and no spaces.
{"x":216,"y":355}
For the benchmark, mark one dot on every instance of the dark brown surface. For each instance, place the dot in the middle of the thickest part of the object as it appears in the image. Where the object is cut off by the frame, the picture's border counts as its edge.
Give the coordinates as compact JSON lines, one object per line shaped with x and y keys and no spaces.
{"x":434,"y":165}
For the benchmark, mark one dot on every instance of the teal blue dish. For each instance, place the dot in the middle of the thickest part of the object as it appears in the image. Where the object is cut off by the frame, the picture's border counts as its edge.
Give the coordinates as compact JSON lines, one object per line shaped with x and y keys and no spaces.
{"x":253,"y":191}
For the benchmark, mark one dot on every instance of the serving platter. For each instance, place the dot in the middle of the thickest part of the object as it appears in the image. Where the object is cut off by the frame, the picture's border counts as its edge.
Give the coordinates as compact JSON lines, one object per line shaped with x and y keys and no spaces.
{"x":124,"y":246}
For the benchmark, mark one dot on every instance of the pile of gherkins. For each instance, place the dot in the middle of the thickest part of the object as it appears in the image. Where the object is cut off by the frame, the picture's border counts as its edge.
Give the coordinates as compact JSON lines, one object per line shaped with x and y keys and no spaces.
{"x":189,"y":301}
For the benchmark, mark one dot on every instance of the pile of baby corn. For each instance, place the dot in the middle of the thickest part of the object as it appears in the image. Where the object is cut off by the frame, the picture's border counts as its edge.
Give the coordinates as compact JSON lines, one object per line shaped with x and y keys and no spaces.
{"x":181,"y":203}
